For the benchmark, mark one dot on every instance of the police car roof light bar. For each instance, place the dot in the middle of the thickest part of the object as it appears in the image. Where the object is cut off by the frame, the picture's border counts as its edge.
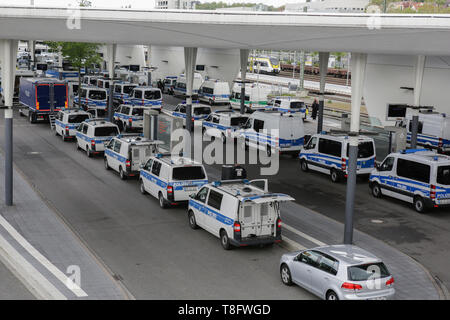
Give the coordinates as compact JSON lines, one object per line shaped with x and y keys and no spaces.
{"x":413,"y":151}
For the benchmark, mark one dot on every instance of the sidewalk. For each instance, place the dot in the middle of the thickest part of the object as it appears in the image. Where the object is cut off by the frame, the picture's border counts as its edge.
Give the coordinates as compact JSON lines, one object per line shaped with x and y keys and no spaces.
{"x":44,"y":253}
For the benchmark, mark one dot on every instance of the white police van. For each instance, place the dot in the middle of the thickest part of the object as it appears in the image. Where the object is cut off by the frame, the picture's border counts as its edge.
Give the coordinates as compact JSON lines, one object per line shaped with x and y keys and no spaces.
{"x":199,"y":111}
{"x":180,"y":86}
{"x":328,"y":154}
{"x":169,"y":84}
{"x":224,"y":124}
{"x":171,"y":179}
{"x":289,"y":104}
{"x":273,"y":131}
{"x":92,"y":97}
{"x":434,"y":131}
{"x":146,"y":96}
{"x":129,"y":117}
{"x":93,"y":134}
{"x":214,"y":92}
{"x":239,"y":212}
{"x":122,"y":91}
{"x":68,"y":120}
{"x":417,"y":176}
{"x":126,"y":153}
{"x":90,"y":80}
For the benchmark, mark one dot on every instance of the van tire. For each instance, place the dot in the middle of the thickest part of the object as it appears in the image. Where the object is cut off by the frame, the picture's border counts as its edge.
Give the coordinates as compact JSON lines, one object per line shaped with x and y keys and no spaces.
{"x":268,"y":150}
{"x":285,"y":275}
{"x":335,"y":177}
{"x":419,"y":204}
{"x":192,"y":221}
{"x":106,"y":163}
{"x":122,"y":174}
{"x":304,"y":165}
{"x":162,"y":201}
{"x":31,"y":117}
{"x":88,"y":152}
{"x":224,"y":240}
{"x":141,"y":187}
{"x":376,"y":190}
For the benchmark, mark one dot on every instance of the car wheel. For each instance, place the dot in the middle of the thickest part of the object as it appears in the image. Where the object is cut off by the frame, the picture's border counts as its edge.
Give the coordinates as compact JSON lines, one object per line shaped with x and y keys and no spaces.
{"x":142,"y":187}
{"x":335,"y":176}
{"x":122,"y":174}
{"x":224,"y":240}
{"x":419,"y":204}
{"x":162,"y":202}
{"x":88,"y":152}
{"x":285,"y":274}
{"x":106,"y":164}
{"x":268,"y":150}
{"x":192,"y":221}
{"x":376,"y":190}
{"x":304,"y":165}
{"x":331,"y":295}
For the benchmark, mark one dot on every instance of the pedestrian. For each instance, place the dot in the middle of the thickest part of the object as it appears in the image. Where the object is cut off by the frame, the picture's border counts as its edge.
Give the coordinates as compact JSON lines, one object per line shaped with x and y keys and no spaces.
{"x":315,"y":108}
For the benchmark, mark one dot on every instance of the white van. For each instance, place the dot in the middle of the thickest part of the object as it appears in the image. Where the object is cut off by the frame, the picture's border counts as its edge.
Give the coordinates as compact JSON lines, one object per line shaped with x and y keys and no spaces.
{"x":434,"y":131}
{"x":129,"y":117}
{"x":274,"y":132}
{"x":68,"y":120}
{"x":329,"y":154}
{"x":289,"y":104}
{"x":93,"y":134}
{"x":417,"y":176}
{"x":146,"y":96}
{"x":171,"y":179}
{"x":256,"y":96}
{"x":224,"y":124}
{"x":214,"y":92}
{"x":239,"y":212}
{"x":91,"y":97}
{"x":180,"y":86}
{"x":169,"y":84}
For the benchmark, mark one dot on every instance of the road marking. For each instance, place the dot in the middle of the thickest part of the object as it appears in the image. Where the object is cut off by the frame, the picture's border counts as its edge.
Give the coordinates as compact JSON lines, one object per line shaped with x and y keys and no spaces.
{"x":35,"y":282}
{"x":43,"y":260}
{"x":295,"y":245}
{"x":304,"y":235}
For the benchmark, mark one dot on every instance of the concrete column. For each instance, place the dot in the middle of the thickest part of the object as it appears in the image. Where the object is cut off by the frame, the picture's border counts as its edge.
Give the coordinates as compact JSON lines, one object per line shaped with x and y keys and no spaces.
{"x":31,"y":47}
{"x":190,"y":59}
{"x":111,"y":50}
{"x":358,"y":74}
{"x":244,"y":60}
{"x":8,"y":55}
{"x":419,"y":70}
{"x":323,"y":66}
{"x":301,"y":86}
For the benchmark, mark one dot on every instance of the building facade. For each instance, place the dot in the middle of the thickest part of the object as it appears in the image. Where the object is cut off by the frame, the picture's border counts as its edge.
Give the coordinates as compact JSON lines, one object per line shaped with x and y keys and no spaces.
{"x":175,"y":4}
{"x":343,"y":6}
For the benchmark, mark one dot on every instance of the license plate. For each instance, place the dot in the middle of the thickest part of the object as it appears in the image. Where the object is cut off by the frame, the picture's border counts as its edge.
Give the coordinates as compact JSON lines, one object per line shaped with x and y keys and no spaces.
{"x":190,"y":188}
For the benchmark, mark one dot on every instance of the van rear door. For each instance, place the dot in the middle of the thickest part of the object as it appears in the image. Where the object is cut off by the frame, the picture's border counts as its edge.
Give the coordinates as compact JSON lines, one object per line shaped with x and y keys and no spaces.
{"x":43,"y":96}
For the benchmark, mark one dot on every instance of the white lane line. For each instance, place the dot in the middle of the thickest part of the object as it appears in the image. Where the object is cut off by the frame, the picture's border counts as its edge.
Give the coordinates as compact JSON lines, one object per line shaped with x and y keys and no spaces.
{"x":33,"y":280}
{"x":295,"y":245}
{"x":304,"y":235}
{"x":72,"y":286}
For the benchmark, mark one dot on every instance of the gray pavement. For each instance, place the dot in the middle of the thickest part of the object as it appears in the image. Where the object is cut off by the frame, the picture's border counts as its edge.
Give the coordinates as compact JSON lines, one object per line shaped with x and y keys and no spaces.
{"x":11,"y":287}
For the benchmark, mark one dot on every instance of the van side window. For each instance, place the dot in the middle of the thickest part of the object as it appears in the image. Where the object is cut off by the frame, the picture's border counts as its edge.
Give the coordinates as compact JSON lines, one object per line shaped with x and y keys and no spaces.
{"x":258,"y":125}
{"x":312,"y":143}
{"x":330,"y":147}
{"x":413,"y":170}
{"x":85,"y":129}
{"x":117,"y":146}
{"x":387,"y":164}
{"x":148,"y":165}
{"x":201,"y":195}
{"x":138,"y":94}
{"x":117,"y":89}
{"x":215,"y":199}
{"x":156,"y":169}
{"x":215,"y":119}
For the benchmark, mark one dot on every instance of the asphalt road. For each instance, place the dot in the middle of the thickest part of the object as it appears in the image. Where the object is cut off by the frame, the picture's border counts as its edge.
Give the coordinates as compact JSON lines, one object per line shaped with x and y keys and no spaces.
{"x":12,"y":288}
{"x":152,"y":251}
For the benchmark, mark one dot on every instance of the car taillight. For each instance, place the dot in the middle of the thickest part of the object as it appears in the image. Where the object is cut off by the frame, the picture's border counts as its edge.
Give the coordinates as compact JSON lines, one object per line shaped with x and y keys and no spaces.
{"x":128,"y":163}
{"x":279,"y":223}
{"x":351,"y":286}
{"x":344,"y":164}
{"x":130,"y":120}
{"x":433,"y":192}
{"x":169,"y":189}
{"x":441,"y":143}
{"x":237,"y":227}
{"x":143,"y":102}
{"x":390,"y":281}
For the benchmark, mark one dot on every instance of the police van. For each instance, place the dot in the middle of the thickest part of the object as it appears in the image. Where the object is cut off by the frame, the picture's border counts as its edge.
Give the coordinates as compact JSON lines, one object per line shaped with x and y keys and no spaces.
{"x":224,"y":124}
{"x":256,"y":96}
{"x":273,"y":131}
{"x":214,"y":92}
{"x":145,"y":96}
{"x":433,"y":132}
{"x":90,"y":80}
{"x":122,"y":91}
{"x":129,"y":117}
{"x":91,"y":97}
{"x":289,"y":104}
{"x":417,"y":176}
{"x":169,"y":84}
{"x":67,"y":121}
{"x":328,"y":154}
{"x":93,"y":134}
{"x":239,"y":212}
{"x":126,"y":153}
{"x":180,"y":86}
{"x":171,"y":179}
{"x":199,"y":111}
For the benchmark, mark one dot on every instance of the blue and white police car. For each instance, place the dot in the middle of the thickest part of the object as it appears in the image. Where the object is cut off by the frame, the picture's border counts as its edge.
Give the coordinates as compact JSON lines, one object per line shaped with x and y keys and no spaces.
{"x":91,"y":97}
{"x":68,"y":120}
{"x":199,"y":111}
{"x":224,"y":124}
{"x":93,"y":134}
{"x":129,"y":117}
{"x":145,"y":96}
{"x":122,"y":91}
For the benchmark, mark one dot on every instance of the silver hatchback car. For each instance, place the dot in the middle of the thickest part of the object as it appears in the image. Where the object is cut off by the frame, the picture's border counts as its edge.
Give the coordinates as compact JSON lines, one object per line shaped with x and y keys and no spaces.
{"x":338,"y":272}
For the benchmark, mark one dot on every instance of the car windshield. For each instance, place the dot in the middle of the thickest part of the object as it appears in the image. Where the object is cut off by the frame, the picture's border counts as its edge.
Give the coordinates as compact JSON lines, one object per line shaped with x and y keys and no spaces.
{"x":202,"y":110}
{"x":368,"y":271}
{"x":78,"y":118}
{"x":274,"y":61}
{"x":106,"y":131}
{"x":188,"y":173}
{"x":128,"y":89}
{"x":138,"y":112}
{"x":238,"y":121}
{"x":97,"y":95}
{"x":443,"y":175}
{"x":152,"y":95}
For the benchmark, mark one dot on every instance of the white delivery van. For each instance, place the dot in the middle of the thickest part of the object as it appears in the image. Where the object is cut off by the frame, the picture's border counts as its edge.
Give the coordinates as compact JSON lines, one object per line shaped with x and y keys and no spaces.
{"x":214,"y":92}
{"x":434,"y":131}
{"x":256,"y":96}
{"x":180,"y":86}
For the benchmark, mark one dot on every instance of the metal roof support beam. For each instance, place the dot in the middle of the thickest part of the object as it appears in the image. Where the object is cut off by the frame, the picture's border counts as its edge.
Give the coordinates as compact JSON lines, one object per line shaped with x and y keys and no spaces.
{"x":419,"y":70}
{"x":244,"y":61}
{"x":8,"y":56}
{"x":359,"y":61}
{"x":323,"y":66}
{"x":111,"y":51}
{"x":190,"y":59}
